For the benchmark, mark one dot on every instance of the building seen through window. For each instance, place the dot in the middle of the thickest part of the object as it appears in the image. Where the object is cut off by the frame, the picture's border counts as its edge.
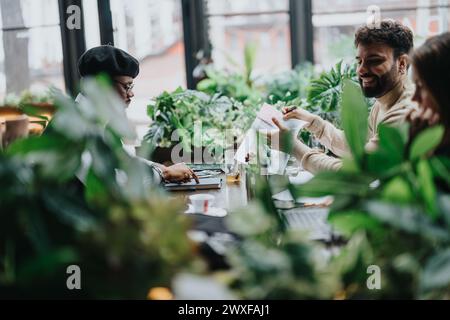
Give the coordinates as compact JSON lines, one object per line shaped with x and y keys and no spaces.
{"x":30,"y":47}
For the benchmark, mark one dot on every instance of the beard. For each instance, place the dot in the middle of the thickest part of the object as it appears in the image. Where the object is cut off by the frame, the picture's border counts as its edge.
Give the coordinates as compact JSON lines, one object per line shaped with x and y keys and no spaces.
{"x":382,"y":84}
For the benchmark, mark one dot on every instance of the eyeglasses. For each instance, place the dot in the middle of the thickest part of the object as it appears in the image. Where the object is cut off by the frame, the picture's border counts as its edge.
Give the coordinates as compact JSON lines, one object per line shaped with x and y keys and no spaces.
{"x":126,"y":86}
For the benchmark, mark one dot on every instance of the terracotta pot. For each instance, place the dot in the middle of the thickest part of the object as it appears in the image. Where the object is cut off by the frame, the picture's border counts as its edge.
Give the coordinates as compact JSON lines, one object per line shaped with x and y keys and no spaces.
{"x":36,"y":124}
{"x":8,"y":112}
{"x":43,"y":109}
{"x":2,"y":130}
{"x":15,"y":128}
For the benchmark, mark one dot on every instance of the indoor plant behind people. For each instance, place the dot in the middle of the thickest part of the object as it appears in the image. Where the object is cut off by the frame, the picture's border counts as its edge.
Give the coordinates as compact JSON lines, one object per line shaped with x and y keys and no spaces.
{"x":194,"y":122}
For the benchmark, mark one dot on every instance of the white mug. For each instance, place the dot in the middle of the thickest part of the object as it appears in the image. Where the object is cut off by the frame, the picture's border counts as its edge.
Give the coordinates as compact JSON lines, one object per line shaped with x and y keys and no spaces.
{"x":202,"y":202}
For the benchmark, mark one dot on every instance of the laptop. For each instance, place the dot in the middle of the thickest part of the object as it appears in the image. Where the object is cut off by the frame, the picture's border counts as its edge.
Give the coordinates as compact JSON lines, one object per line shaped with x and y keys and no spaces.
{"x":311,"y":220}
{"x":205,"y":184}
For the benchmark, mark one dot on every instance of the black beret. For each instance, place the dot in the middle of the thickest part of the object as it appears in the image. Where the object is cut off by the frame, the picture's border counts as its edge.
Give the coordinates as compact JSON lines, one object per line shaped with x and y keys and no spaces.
{"x":109,"y":60}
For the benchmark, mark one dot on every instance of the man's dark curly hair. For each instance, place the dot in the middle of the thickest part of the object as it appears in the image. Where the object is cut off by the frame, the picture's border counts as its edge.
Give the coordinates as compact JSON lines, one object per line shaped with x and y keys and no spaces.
{"x":393,"y":33}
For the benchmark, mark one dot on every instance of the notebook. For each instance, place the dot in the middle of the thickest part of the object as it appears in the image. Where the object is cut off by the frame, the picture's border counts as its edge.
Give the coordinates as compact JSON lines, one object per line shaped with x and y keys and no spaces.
{"x":249,"y":146}
{"x":278,"y":160}
{"x":205,"y":184}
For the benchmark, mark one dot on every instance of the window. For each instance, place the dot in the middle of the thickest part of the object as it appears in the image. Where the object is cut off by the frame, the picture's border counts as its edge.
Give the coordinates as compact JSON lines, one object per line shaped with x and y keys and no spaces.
{"x":235,"y":23}
{"x":91,"y":23}
{"x":334,"y":28}
{"x":30,"y":46}
{"x":152,"y":31}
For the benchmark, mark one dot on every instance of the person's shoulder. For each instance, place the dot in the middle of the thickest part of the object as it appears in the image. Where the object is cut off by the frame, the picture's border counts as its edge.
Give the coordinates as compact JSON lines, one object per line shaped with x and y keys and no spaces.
{"x":408,"y":93}
{"x":405,"y":103}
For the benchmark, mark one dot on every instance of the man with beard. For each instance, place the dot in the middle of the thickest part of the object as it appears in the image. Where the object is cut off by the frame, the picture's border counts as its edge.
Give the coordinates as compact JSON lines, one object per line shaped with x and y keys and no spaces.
{"x":382,"y":57}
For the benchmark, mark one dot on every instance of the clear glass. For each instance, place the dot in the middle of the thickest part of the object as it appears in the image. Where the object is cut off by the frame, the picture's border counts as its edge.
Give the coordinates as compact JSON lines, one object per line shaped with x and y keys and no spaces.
{"x":232,"y":167}
{"x":293,"y":167}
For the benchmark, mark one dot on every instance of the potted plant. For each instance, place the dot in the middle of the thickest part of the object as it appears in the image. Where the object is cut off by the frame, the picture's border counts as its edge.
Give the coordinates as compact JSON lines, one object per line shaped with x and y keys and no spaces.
{"x":126,"y":237}
{"x":39,"y":108}
{"x":190,"y":123}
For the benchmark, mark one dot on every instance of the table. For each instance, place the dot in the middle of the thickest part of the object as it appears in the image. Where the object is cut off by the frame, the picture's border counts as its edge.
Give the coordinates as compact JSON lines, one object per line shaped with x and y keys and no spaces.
{"x":233,"y":196}
{"x":230,"y":197}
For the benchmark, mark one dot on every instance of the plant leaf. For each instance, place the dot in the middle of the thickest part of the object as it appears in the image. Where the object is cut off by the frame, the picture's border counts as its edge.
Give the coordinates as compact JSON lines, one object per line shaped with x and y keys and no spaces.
{"x":426,"y":142}
{"x":355,"y":119}
{"x":427,"y":188}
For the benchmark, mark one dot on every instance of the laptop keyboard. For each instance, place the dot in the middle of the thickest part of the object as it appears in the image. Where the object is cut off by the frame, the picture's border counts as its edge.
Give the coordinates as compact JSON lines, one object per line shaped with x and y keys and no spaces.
{"x":311,"y":220}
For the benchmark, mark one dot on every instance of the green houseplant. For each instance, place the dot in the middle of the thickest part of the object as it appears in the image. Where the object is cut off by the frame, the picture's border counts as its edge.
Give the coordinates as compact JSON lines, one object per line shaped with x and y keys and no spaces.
{"x":238,"y":84}
{"x":393,"y":202}
{"x":273,"y":262}
{"x":122,"y":232}
{"x":389,"y":205}
{"x":40,"y":108}
{"x":197,"y":120}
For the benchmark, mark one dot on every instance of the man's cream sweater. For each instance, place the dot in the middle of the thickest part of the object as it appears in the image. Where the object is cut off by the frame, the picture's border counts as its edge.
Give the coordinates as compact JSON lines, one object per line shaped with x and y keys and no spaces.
{"x":391,"y":109}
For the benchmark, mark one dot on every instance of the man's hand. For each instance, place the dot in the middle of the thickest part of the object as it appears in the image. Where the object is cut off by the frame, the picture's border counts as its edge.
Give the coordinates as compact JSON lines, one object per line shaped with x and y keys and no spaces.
{"x":179,"y":173}
{"x":297,"y":113}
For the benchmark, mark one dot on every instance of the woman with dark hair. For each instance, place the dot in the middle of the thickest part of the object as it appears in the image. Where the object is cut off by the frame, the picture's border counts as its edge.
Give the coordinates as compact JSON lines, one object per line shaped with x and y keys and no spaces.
{"x":431,"y":73}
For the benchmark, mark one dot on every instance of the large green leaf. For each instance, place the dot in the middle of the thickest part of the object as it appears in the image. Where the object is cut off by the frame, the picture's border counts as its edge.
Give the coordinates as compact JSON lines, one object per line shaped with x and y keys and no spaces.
{"x":54,"y":155}
{"x":324,"y":92}
{"x":427,"y":188}
{"x":410,"y":219}
{"x":441,"y":168}
{"x":46,"y":264}
{"x":351,"y":222}
{"x":34,"y":144}
{"x":426,"y":142}
{"x":334,"y":183}
{"x":390,"y":152}
{"x":355,"y":119}
{"x":398,"y":191}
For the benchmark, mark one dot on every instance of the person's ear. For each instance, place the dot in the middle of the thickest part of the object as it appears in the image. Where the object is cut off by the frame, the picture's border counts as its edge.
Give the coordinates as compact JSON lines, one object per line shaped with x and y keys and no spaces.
{"x":403,"y":64}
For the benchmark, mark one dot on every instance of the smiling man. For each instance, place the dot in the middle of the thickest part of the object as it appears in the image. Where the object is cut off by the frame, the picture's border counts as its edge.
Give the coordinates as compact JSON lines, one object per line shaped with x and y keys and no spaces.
{"x":383,"y":62}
